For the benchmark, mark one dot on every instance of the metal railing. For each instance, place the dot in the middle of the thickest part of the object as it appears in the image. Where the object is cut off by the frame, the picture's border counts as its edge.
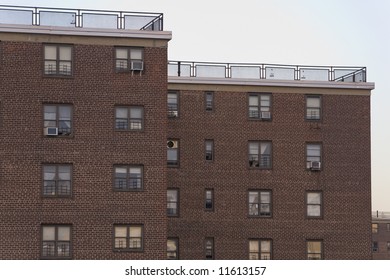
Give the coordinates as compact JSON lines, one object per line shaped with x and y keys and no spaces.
{"x":380,"y":214}
{"x":41,"y":16}
{"x":266,"y":71}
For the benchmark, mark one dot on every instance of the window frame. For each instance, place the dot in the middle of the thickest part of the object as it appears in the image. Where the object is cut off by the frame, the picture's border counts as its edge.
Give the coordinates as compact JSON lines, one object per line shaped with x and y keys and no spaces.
{"x":259,"y":251}
{"x":57,"y":60}
{"x":127,"y":248}
{"x":321,"y":204}
{"x":307,"y":96}
{"x":177,"y":202}
{"x":208,"y":152}
{"x":260,"y":156}
{"x":206,"y":199}
{"x":321,"y":253}
{"x":129,"y":107}
{"x":57,"y":120}
{"x":56,"y":241}
{"x":259,"y":191}
{"x":259,"y":106}
{"x":127,"y":188}
{"x":174,"y":163}
{"x":308,"y":163}
{"x":57,"y":165}
{"x":206,"y":249}
{"x":176,"y":106}
{"x":176,"y":241}
{"x":128,"y":59}
{"x":209,"y":106}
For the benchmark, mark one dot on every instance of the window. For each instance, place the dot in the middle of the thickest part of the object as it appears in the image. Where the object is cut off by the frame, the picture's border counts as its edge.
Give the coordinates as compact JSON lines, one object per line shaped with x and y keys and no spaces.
{"x":209,"y":146}
{"x":260,"y":203}
{"x":129,"y":118}
{"x":209,"y":199}
{"x":173,"y":153}
{"x":314,"y":204}
{"x":129,"y":59}
{"x":58,"y":60}
{"x":260,"y":249}
{"x":56,"y":242}
{"x":314,"y":249}
{"x":173,"y":249}
{"x":173,"y":108}
{"x":313,"y":156}
{"x":172,"y":202}
{"x":57,"y":120}
{"x":260,"y":106}
{"x":128,"y":237}
{"x":128,"y":178}
{"x":374,"y":228}
{"x":313,"y":107}
{"x":57,"y":180}
{"x":209,"y":100}
{"x":260,"y":154}
{"x":375,"y":246}
{"x":209,"y":248}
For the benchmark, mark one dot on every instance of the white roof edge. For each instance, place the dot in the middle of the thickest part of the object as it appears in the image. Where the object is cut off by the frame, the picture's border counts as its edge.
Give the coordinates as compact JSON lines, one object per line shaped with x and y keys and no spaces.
{"x":77,"y":31}
{"x":273,"y":83}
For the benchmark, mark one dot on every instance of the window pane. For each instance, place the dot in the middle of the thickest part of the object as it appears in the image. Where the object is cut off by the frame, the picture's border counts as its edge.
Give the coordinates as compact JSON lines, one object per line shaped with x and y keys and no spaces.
{"x":64,"y":113}
{"x":51,"y":52}
{"x":314,"y":210}
{"x":136,"y":113}
{"x":49,"y":172}
{"x":64,"y":172}
{"x":253,"y":197}
{"x":120,"y":231}
{"x":172,"y":98}
{"x":121,"y":53}
{"x":265,"y":197}
{"x":136,"y":54}
{"x":65,"y":53}
{"x":265,"y":148}
{"x":135,"y":172}
{"x":171,"y":245}
{"x":121,"y":113}
{"x":265,"y":246}
{"x":313,"y":150}
{"x":253,"y":101}
{"x":172,"y":154}
{"x":120,"y":172}
{"x":253,"y":148}
{"x":314,"y":198}
{"x":63,"y":233}
{"x":50,"y":112}
{"x":48,"y":233}
{"x":313,"y":102}
{"x":135,"y":231}
{"x":209,"y":194}
{"x":265,"y":100}
{"x":253,"y":246}
{"x":314,"y":247}
{"x":172,"y":195}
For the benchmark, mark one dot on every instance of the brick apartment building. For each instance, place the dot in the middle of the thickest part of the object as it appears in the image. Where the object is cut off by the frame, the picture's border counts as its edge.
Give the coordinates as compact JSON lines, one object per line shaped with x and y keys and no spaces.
{"x":252,"y":161}
{"x":381,"y":235}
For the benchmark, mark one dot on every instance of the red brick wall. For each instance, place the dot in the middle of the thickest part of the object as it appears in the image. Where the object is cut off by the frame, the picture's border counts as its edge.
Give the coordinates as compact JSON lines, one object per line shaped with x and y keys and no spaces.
{"x":345,"y":179}
{"x":94,"y":207}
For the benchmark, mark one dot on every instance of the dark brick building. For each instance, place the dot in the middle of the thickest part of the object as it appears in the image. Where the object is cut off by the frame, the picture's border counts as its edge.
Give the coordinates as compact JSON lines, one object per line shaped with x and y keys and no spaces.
{"x":381,"y":235}
{"x":262,"y":161}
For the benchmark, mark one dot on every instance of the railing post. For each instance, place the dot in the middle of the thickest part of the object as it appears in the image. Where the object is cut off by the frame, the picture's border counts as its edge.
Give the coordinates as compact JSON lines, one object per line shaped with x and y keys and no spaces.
{"x":178,"y":68}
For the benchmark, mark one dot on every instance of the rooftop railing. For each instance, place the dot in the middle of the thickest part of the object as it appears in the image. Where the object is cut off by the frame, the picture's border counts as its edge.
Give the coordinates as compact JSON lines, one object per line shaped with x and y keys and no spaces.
{"x":61,"y":17}
{"x":381,"y":215}
{"x":266,"y":71}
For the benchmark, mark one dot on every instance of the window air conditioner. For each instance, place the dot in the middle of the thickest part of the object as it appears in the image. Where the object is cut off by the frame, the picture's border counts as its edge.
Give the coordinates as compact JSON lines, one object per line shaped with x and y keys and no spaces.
{"x":266,"y":115}
{"x":137,"y":65}
{"x":51,"y":131}
{"x":172,"y":144}
{"x":315,"y":165}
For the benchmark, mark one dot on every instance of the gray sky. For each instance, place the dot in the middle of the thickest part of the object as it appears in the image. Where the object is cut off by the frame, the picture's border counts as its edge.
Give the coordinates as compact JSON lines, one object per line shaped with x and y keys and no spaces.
{"x":308,"y":32}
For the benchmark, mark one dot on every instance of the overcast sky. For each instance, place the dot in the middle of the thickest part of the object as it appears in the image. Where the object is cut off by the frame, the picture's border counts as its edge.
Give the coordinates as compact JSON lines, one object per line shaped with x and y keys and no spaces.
{"x":331,"y":32}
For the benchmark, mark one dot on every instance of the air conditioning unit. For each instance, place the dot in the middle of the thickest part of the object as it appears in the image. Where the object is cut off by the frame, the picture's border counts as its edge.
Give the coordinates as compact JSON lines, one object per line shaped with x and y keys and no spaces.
{"x":172,"y":144}
{"x":266,"y":115}
{"x":315,"y":165}
{"x":51,"y":131}
{"x":137,"y":66}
